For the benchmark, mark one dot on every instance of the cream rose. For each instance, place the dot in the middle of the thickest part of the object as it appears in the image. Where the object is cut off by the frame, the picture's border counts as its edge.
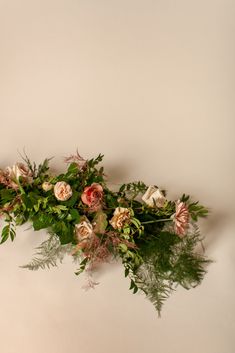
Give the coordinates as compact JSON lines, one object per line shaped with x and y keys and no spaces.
{"x":46,"y":186}
{"x":83,"y":230}
{"x":62,"y":191}
{"x":121,"y":216}
{"x":19,"y":170}
{"x":154,"y":197}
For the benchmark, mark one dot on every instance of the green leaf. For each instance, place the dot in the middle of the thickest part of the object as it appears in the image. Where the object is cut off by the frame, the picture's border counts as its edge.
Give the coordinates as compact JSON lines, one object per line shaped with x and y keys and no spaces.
{"x":20,"y":219}
{"x":136,"y":222}
{"x":100,"y":221}
{"x":6,"y":195}
{"x":123,"y":247}
{"x":26,"y":201}
{"x":42,"y":221}
{"x":73,"y":168}
{"x":44,"y":167}
{"x":122,"y":187}
{"x":58,"y":209}
{"x":5,"y":233}
{"x":135,"y":289}
{"x":82,"y":266}
{"x":185,"y":198}
{"x":93,"y":162}
{"x":133,"y":286}
{"x":12,"y":234}
{"x":75,"y":215}
{"x":71,"y":202}
{"x":65,"y":231}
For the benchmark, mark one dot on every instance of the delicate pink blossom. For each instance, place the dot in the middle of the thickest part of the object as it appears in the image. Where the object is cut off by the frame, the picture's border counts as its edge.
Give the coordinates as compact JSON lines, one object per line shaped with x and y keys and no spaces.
{"x":181,"y":218}
{"x":92,"y":196}
{"x":76,"y":158}
{"x":7,"y":181}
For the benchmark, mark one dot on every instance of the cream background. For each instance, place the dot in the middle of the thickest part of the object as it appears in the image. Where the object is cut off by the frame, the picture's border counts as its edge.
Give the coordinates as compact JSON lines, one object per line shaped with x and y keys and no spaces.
{"x":150,"y":84}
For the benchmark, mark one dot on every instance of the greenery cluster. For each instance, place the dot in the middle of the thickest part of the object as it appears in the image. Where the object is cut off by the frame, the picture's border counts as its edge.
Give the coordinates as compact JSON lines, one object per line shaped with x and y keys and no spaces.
{"x":154,"y":256}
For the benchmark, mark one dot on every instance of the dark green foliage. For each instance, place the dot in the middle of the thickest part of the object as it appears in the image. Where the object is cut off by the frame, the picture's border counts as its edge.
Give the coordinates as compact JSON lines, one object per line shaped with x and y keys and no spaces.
{"x":94,"y":161}
{"x":43,"y":168}
{"x":42,"y":220}
{"x":64,"y":230}
{"x":75,"y":216}
{"x":196,"y":210}
{"x":6,"y":195}
{"x":133,"y":188}
{"x":169,"y":261}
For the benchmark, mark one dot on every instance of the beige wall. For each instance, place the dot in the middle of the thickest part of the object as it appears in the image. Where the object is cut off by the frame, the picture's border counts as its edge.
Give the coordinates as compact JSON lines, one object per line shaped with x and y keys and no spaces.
{"x":150,"y":84}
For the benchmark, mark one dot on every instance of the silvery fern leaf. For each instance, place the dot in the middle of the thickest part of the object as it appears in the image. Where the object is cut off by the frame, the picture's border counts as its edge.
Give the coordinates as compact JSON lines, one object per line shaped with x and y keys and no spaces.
{"x":48,"y":254}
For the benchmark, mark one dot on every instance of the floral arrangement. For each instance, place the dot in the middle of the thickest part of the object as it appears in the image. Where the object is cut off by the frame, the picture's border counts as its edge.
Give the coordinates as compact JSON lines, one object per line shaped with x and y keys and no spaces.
{"x":155,"y":238}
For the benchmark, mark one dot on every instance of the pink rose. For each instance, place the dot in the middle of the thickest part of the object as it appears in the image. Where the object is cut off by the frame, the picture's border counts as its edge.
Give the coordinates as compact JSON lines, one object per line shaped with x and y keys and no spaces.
{"x":92,"y":196}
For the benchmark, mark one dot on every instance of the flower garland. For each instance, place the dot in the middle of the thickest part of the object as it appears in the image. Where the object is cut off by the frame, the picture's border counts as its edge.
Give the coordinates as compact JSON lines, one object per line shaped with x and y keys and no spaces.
{"x":155,"y":238}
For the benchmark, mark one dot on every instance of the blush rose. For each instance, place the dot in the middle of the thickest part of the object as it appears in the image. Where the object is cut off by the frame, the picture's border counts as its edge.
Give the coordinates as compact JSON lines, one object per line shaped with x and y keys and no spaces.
{"x":92,"y":196}
{"x":62,"y":191}
{"x":19,"y":170}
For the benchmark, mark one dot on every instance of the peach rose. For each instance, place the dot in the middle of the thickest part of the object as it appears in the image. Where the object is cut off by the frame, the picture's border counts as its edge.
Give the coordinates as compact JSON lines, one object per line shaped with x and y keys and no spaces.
{"x":83,"y":234}
{"x":92,"y":196}
{"x":121,"y":216}
{"x":62,"y":191}
{"x":83,"y":230}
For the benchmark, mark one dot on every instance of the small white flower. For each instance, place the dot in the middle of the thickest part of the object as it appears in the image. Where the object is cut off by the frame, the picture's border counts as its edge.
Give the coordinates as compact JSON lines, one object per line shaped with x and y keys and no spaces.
{"x":46,"y":186}
{"x":154,"y":197}
{"x":62,"y":191}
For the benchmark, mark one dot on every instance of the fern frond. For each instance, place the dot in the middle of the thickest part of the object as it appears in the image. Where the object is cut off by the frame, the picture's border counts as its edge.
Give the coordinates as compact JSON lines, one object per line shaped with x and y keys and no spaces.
{"x":154,"y":284}
{"x":48,"y":254}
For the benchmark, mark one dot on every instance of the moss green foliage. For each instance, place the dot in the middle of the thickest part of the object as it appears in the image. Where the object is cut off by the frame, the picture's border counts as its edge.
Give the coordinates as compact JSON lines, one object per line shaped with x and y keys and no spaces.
{"x":154,"y":256}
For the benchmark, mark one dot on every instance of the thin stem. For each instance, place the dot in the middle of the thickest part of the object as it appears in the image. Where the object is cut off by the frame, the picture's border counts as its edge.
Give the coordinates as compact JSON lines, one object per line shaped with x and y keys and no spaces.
{"x":20,"y":187}
{"x":158,"y":220}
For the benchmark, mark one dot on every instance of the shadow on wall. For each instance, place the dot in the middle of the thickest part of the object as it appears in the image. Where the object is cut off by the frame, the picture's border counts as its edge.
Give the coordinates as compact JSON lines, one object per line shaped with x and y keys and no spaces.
{"x":213,"y":228}
{"x":119,"y":173}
